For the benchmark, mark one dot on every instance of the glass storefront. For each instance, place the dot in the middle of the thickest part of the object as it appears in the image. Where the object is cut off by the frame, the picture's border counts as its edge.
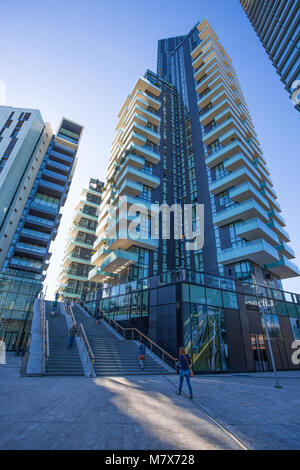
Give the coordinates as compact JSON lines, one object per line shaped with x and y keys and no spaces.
{"x":17,"y":295}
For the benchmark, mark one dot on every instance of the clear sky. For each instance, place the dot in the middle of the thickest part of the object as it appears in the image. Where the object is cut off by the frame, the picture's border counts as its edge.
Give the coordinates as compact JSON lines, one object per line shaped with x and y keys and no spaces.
{"x":80,"y":59}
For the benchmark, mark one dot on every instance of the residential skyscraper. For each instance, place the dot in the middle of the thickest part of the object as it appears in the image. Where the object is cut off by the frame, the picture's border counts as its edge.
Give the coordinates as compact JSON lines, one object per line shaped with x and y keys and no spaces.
{"x":277,"y":24}
{"x":185,"y":136}
{"x":36,"y":172}
{"x":228,"y":134}
{"x":76,"y":264}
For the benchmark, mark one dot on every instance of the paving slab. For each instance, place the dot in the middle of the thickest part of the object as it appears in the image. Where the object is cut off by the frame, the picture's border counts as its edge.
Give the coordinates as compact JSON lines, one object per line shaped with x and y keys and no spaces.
{"x":116,"y":413}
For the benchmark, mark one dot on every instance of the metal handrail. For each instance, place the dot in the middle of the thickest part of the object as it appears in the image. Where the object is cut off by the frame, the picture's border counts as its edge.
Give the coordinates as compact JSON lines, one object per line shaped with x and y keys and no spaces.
{"x":24,"y":364}
{"x":81,"y":333}
{"x":123,"y":330}
{"x":140,"y":334}
{"x":44,"y":334}
{"x":69,"y":311}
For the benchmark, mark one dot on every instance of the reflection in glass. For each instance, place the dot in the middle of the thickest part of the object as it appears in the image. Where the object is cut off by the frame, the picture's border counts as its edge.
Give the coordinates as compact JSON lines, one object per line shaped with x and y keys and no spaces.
{"x":207,"y":343}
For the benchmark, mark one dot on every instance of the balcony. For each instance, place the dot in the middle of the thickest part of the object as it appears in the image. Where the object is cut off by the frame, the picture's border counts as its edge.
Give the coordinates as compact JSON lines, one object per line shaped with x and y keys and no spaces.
{"x":154,"y":103}
{"x":61,"y":157}
{"x":246,"y":191}
{"x":51,"y":189}
{"x":285,"y":250}
{"x":238,"y":161}
{"x":70,"y":294}
{"x":35,"y":235}
{"x":44,"y":207}
{"x":147,"y":132}
{"x":282,"y":234}
{"x":272,"y":201}
{"x":118,"y":260}
{"x":273,"y":214}
{"x":39,"y":222}
{"x":283,"y":268}
{"x":72,"y":242}
{"x":82,"y":214}
{"x":204,"y":56}
{"x":97,"y":275}
{"x":33,"y":251}
{"x":154,"y":118}
{"x":258,"y":251}
{"x":232,"y":179}
{"x":132,"y":160}
{"x":70,"y":274}
{"x":80,"y":228}
{"x":130,"y":187}
{"x":209,"y":114}
{"x":211,"y":73}
{"x":54,"y":177}
{"x":124,"y":241}
{"x":83,"y":201}
{"x":30,"y":265}
{"x":201,"y":70}
{"x":70,"y":258}
{"x":243,"y":211}
{"x":140,"y":176}
{"x":222,"y":152}
{"x":217,"y":131}
{"x":98,"y":257}
{"x":148,"y":153}
{"x":254,"y":228}
{"x":206,"y":97}
{"x":58,"y":166}
{"x":195,"y":52}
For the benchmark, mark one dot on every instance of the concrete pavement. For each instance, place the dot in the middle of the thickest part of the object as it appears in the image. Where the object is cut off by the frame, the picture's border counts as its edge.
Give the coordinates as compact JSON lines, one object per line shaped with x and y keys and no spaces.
{"x":145,"y":413}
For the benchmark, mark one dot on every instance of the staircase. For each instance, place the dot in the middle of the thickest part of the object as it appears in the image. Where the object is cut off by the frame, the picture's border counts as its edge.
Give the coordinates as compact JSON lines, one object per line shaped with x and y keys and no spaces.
{"x":113,"y":356}
{"x":62,"y":361}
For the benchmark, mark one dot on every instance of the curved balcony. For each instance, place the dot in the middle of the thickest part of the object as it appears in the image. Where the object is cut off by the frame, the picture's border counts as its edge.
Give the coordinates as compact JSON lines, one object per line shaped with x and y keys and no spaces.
{"x":243,"y":211}
{"x":258,"y":251}
{"x":254,"y":228}
{"x":283,"y":268}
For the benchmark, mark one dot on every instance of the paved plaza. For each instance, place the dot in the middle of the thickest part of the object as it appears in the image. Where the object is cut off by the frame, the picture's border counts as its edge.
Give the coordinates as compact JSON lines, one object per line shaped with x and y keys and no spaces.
{"x":228,"y":412}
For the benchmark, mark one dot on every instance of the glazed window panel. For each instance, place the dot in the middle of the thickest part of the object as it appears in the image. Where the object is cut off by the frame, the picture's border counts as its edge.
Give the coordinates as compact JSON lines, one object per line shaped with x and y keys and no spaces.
{"x":197,"y":294}
{"x":230,"y":300}
{"x":214,"y":297}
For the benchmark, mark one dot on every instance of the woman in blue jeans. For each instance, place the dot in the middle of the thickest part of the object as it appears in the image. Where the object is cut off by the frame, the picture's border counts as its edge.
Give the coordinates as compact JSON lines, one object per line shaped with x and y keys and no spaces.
{"x":184,"y":362}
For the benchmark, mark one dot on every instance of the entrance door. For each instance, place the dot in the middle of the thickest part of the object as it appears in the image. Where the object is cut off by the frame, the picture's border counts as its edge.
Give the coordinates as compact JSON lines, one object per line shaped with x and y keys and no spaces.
{"x":259,"y":353}
{"x":10,"y":340}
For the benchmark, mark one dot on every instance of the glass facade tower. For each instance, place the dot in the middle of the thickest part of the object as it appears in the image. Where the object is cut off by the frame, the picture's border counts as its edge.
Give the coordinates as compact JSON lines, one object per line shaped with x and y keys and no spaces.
{"x":42,"y":169}
{"x":277,"y":24}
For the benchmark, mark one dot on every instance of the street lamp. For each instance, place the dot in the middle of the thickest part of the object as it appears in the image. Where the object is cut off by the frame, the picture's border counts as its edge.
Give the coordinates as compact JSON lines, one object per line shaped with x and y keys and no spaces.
{"x":261,"y":307}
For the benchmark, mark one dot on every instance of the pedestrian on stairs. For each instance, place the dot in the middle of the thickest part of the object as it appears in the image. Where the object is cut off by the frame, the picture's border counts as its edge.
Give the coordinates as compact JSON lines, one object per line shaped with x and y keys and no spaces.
{"x":72,"y":334}
{"x":142,"y":351}
{"x":97,"y":316}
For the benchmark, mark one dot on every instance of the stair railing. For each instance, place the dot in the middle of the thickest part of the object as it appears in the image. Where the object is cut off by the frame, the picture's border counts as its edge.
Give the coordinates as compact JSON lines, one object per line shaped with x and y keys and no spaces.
{"x":85,"y":342}
{"x":86,"y":345}
{"x":44,"y":334}
{"x":135,"y":334}
{"x":24,"y":364}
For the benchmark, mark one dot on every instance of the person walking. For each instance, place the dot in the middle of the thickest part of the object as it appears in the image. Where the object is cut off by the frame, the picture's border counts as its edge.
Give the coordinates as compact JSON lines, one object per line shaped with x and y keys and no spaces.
{"x":142,"y":352}
{"x":184,"y":362}
{"x":97,"y":316}
{"x":54,"y":308}
{"x":72,"y":334}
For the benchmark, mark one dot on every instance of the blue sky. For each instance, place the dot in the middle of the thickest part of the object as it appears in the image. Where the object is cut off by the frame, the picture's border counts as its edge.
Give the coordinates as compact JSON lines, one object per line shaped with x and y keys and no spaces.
{"x":80,"y":59}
